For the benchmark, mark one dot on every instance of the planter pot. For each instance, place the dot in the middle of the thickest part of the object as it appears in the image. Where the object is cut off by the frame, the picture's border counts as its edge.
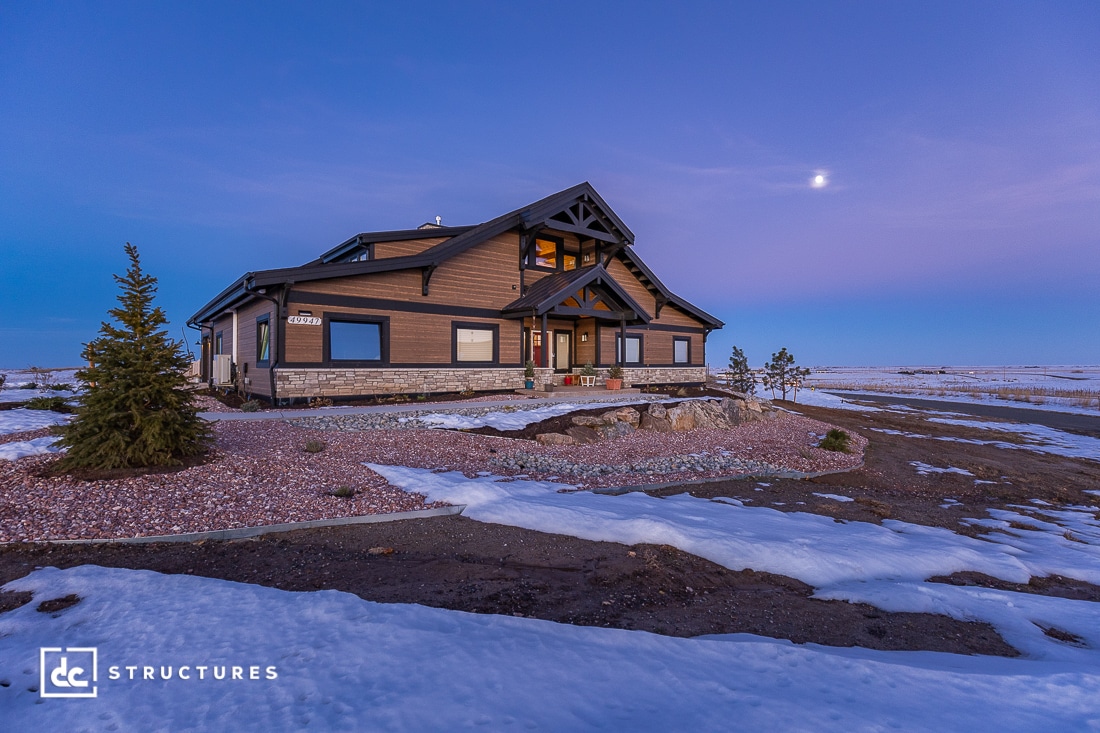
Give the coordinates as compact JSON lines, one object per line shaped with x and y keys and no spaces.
{"x":568,"y":379}
{"x":529,"y":384}
{"x":587,"y":381}
{"x":548,"y":387}
{"x":614,"y":384}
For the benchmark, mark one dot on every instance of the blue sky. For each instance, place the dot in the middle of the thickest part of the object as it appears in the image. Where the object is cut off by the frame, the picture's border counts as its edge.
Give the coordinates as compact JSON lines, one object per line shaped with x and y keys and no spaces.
{"x":959,"y":222}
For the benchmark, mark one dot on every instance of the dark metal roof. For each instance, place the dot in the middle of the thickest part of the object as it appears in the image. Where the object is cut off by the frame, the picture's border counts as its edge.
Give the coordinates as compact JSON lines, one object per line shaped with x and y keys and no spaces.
{"x":397,"y":235}
{"x":553,"y":289}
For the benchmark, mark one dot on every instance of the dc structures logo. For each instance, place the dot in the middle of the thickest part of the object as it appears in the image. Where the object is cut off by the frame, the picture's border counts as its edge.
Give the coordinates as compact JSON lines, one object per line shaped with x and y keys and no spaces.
{"x":68,"y":672}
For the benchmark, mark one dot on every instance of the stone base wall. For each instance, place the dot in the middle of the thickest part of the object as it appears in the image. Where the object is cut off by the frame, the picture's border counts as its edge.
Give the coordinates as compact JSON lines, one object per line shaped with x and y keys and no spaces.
{"x":659,"y":375}
{"x":296,"y":382}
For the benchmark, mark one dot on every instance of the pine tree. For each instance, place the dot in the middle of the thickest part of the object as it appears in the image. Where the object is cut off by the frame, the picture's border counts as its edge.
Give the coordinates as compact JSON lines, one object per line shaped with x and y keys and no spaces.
{"x":781,"y":373}
{"x":739,"y":376}
{"x":135,"y":411}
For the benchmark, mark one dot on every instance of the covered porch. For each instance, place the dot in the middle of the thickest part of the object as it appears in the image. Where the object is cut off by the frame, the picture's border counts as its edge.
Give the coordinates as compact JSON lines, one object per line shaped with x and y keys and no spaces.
{"x":564,"y":315}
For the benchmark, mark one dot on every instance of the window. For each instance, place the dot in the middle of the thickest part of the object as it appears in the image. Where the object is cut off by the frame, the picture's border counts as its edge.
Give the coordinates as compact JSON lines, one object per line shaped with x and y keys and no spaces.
{"x":546,"y":253}
{"x":633,"y":349}
{"x":681,"y":350}
{"x":355,"y":341}
{"x":218,"y":343}
{"x":550,"y":253}
{"x":360,"y":254}
{"x":263,"y":341}
{"x":475,"y":342}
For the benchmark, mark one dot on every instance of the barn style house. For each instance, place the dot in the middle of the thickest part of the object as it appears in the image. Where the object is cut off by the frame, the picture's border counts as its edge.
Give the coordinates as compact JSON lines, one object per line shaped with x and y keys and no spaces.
{"x":456,"y":308}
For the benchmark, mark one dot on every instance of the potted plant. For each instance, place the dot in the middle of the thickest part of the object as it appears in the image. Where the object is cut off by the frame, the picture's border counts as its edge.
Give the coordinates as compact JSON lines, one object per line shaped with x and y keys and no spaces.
{"x":529,"y":374}
{"x":615,"y":377}
{"x":588,"y":375}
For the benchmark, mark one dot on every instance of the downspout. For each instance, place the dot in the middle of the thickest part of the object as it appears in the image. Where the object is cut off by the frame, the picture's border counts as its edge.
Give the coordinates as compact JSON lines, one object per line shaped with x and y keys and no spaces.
{"x":202,"y":357}
{"x":234,"y":312}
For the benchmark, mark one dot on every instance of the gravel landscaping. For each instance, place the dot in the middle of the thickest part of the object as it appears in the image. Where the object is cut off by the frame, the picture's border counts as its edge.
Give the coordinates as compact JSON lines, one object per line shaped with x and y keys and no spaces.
{"x":259,"y":472}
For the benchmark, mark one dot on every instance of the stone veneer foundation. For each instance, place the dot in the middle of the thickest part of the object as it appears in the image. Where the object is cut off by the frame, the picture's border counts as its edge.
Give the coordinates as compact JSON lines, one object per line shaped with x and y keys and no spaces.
{"x":357,"y":382}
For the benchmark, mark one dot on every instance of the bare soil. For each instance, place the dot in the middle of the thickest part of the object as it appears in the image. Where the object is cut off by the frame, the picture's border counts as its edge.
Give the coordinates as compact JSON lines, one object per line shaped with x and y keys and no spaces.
{"x":456,"y":563}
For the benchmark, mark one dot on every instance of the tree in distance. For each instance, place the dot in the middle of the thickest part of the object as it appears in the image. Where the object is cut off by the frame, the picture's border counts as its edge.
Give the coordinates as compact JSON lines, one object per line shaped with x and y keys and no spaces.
{"x":783,"y":374}
{"x":739,"y":376}
{"x":135,"y":410}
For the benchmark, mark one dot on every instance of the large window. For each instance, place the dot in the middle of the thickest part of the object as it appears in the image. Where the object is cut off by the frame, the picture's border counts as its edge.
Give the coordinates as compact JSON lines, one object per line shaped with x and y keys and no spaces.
{"x":354,"y":340}
{"x":218,"y":343}
{"x":263,"y":341}
{"x":681,"y":350}
{"x":551,"y":253}
{"x":633,"y":349}
{"x":475,"y":343}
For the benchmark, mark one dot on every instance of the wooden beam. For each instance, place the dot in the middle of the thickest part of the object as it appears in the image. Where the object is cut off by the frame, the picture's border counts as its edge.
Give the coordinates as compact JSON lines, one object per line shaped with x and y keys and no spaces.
{"x":545,"y":345}
{"x":425,"y":278}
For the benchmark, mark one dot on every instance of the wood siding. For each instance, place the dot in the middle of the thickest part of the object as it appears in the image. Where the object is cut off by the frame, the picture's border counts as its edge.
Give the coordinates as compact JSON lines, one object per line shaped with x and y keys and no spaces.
{"x":407,"y":247}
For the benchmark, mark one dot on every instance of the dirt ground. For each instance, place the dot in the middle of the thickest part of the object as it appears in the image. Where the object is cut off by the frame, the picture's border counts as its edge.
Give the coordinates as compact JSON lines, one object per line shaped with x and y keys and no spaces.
{"x":456,"y":563}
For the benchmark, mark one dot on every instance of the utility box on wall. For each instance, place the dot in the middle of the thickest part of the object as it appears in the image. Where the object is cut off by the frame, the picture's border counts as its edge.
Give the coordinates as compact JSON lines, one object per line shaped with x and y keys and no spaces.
{"x":223,"y":370}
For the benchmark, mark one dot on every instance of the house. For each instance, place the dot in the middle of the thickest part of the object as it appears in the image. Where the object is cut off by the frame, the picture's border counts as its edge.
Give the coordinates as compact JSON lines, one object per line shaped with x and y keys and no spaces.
{"x":442,"y":308}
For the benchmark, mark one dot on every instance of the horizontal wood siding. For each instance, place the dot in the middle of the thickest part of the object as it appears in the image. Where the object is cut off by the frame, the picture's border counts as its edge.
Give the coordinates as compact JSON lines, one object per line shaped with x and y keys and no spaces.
{"x":632,"y":285}
{"x":586,"y":350}
{"x":673,"y":316}
{"x":414,"y":338}
{"x":408,"y":247}
{"x":246,"y":350}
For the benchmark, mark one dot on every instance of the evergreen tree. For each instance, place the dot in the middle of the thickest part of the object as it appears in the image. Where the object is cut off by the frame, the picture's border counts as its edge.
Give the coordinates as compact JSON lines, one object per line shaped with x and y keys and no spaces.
{"x":135,"y":411}
{"x":783,"y":374}
{"x":739,"y":376}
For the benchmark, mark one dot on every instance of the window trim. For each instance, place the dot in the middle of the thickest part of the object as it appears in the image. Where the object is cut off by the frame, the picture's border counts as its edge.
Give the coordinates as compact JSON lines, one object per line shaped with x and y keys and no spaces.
{"x":383,"y":335}
{"x":263,"y":321}
{"x":559,"y":248}
{"x":641,"y":349}
{"x":676,"y":340}
{"x":494,"y":327}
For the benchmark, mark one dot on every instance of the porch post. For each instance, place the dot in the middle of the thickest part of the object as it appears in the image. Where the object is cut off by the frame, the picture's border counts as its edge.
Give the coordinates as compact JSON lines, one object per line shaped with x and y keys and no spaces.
{"x":545,"y":344}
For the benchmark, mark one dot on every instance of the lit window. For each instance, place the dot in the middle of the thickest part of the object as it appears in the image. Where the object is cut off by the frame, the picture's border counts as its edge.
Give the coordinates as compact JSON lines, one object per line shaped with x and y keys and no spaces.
{"x":633,"y":349}
{"x":546,"y":253}
{"x":569,"y":261}
{"x":355,"y":341}
{"x":474,"y":344}
{"x":681,"y":350}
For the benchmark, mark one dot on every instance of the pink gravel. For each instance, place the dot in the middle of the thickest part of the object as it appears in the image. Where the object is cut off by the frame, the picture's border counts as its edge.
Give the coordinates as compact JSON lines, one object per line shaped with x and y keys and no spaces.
{"x":259,"y":475}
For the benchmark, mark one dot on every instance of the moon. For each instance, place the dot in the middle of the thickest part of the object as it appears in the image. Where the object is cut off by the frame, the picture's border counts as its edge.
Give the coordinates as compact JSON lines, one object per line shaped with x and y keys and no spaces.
{"x":820,"y":180}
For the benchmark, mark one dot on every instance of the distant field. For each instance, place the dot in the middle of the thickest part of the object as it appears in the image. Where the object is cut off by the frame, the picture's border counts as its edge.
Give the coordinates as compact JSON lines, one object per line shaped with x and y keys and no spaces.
{"x":1052,"y":386}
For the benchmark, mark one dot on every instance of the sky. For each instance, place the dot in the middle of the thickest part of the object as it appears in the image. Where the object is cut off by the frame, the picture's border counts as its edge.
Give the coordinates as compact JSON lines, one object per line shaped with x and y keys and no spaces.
{"x":861,"y":183}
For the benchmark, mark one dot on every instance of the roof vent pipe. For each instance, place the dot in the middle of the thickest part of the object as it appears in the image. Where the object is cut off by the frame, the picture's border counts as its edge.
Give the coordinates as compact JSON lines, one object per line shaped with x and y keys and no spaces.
{"x":439,"y":221}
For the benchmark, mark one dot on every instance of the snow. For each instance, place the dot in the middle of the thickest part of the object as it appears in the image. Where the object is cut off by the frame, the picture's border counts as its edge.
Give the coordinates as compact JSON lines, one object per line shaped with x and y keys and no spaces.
{"x":834,"y":557}
{"x":925,"y":469}
{"x":834,"y":497}
{"x":1040,"y":438}
{"x":18,"y":420}
{"x":511,"y":419}
{"x":817,"y":398}
{"x":345,"y":664}
{"x":972,"y":384}
{"x":16,"y":379}
{"x":24,"y":448}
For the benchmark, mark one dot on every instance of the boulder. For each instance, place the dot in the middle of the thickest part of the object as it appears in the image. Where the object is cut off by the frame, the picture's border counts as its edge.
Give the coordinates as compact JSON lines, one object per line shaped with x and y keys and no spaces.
{"x":657,"y":411}
{"x":623,"y":414}
{"x":659,"y":424}
{"x":582,"y":435}
{"x":681,"y":417}
{"x":554,"y":439}
{"x":589,"y":421}
{"x":740,"y":411}
{"x":614,"y":429}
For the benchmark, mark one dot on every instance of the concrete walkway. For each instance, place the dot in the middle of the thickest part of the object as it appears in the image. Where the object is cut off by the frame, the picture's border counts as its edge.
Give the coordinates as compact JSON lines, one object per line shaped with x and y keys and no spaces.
{"x":420,"y":406}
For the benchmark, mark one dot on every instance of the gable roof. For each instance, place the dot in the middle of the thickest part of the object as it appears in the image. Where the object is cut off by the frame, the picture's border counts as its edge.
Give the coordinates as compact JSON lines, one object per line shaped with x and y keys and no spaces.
{"x":553,"y":289}
{"x":576,"y":209}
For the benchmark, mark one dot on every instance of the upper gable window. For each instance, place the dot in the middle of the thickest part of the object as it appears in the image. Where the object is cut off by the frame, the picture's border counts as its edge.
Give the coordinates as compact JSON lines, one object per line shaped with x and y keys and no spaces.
{"x":545,"y":253}
{"x":360,"y":254}
{"x":552,"y":254}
